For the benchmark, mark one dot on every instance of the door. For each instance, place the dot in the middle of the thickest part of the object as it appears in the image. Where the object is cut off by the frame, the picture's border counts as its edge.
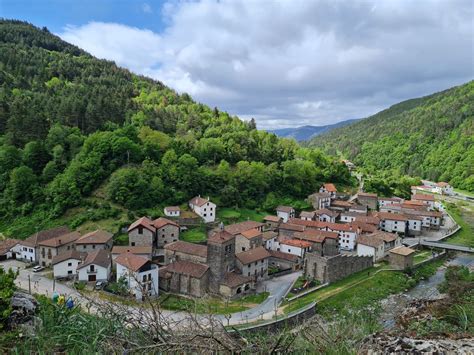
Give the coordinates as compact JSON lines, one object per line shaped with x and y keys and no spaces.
{"x":92,"y":278}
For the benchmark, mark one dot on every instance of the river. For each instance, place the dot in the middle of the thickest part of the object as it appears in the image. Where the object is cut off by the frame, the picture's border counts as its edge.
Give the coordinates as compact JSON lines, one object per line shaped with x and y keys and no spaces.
{"x":426,"y":289}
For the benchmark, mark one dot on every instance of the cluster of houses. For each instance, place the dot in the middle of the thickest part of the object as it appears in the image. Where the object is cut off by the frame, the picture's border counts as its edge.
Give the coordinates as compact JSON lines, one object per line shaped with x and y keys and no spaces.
{"x":332,"y":241}
{"x":442,"y":188}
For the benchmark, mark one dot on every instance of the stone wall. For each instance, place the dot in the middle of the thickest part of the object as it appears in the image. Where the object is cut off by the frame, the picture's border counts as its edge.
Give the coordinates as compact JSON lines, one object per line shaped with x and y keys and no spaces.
{"x":187,"y":285}
{"x":145,"y":239}
{"x":166,"y":235}
{"x":171,"y":256}
{"x":333,"y":268}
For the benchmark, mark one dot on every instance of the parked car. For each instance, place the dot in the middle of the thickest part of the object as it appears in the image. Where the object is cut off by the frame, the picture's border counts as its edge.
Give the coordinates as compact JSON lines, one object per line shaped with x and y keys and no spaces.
{"x":99,"y":285}
{"x":38,"y":268}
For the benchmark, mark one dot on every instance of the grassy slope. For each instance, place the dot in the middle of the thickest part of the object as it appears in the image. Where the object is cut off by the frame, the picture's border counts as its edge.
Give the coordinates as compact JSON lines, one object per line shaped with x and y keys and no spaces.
{"x":466,"y":235}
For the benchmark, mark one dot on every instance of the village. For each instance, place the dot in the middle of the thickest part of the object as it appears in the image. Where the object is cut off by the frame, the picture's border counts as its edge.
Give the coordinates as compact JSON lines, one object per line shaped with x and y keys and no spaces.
{"x":340,"y":236}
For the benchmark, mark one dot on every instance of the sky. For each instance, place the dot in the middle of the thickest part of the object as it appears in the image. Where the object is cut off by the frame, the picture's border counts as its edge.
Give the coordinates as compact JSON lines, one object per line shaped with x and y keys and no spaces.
{"x":285,"y":63}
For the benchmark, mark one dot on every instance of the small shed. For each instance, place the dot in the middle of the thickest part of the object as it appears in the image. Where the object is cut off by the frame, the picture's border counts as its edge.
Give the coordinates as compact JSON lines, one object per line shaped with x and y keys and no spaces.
{"x":401,"y":258}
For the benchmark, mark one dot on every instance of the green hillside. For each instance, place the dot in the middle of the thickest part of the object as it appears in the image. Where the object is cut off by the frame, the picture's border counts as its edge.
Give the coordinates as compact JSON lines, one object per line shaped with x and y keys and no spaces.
{"x":431,"y":137}
{"x":82,"y":139}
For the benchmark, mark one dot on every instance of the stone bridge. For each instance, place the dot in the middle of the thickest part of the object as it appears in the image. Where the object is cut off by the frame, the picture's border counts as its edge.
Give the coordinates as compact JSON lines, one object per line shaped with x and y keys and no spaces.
{"x":447,"y":246}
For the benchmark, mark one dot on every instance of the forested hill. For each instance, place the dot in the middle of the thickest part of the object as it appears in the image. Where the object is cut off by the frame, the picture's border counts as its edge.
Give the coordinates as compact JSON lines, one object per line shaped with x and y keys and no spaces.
{"x":70,"y":123}
{"x":431,"y":137}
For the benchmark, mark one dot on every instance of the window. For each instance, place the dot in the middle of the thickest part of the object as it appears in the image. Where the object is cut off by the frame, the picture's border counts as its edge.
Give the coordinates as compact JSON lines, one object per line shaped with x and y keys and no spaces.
{"x":204,"y":209}
{"x":92,"y":268}
{"x":140,"y":230}
{"x":83,"y":247}
{"x":243,"y":248}
{"x":172,"y":234}
{"x":69,"y":272}
{"x":205,"y":215}
{"x":69,"y":264}
{"x":93,"y":246}
{"x":144,"y":278}
{"x":149,"y":277}
{"x":133,"y":244}
{"x":210,"y":208}
{"x":248,"y":274}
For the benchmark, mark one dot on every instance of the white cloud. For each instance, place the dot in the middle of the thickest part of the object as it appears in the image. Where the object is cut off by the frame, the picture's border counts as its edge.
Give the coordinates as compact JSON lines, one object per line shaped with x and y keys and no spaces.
{"x":288,"y":63}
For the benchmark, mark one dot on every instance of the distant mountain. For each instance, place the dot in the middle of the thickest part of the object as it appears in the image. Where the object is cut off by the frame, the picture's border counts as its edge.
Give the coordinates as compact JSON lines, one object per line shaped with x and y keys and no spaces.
{"x":304,"y":133}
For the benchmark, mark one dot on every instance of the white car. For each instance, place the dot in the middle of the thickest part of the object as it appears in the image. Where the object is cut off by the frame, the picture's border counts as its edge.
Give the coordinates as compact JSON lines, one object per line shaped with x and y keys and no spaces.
{"x":38,"y":268}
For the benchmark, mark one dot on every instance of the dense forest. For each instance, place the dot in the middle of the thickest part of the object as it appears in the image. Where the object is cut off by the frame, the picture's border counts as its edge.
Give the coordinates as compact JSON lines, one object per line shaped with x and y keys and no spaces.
{"x":431,"y":137}
{"x":70,"y":123}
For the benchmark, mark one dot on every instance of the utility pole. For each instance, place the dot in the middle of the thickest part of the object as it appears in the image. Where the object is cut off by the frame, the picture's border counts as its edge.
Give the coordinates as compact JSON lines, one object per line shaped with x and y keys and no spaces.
{"x":29,"y":284}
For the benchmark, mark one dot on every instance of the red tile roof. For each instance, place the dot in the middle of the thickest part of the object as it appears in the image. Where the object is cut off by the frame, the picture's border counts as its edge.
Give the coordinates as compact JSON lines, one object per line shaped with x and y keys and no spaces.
{"x":251,"y":233}
{"x":327,"y":212}
{"x":7,"y":244}
{"x":195,"y":270}
{"x":422,"y":197}
{"x":238,"y":228}
{"x":232,"y":279}
{"x":61,"y":240}
{"x":307,"y":214}
{"x":99,"y":257}
{"x":297,"y":243}
{"x":187,"y":248}
{"x":95,"y":237}
{"x":293,"y":227}
{"x":344,"y":227}
{"x":131,"y":261}
{"x":161,"y":222}
{"x":121,"y":249}
{"x":143,"y":222}
{"x":272,"y":218}
{"x":287,"y":209}
{"x":252,"y":255}
{"x":41,"y":236}
{"x":330,"y":187}
{"x":67,"y":255}
{"x":220,"y":236}
{"x":284,"y":256}
{"x":405,"y":251}
{"x":198,"y":201}
{"x":391,"y":216}
{"x":173,"y":208}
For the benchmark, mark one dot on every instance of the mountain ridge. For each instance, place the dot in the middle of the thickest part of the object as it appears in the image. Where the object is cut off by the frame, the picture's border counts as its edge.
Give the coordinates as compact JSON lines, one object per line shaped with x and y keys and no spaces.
{"x":303,"y":133}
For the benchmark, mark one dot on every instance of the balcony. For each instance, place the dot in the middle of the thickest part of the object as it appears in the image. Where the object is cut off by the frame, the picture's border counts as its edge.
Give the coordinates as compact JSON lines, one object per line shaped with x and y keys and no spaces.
{"x":89,"y":271}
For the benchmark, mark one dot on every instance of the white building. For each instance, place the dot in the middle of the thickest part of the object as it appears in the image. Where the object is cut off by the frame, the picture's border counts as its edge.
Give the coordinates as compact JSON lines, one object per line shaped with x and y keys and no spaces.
{"x":377,"y":244}
{"x":393,"y":222}
{"x":172,"y":211}
{"x":96,"y":267}
{"x":269,"y":239}
{"x":330,"y":189}
{"x":10,"y":249}
{"x":140,"y":274}
{"x":203,"y":208}
{"x":444,"y":188}
{"x":320,"y":200}
{"x":414,"y":224}
{"x":308,"y":215}
{"x":285,"y":213}
{"x":294,"y":246}
{"x":385,"y":201}
{"x":347,"y":234}
{"x":66,"y":263}
{"x":145,"y":251}
{"x":348,"y":217}
{"x":427,"y":200}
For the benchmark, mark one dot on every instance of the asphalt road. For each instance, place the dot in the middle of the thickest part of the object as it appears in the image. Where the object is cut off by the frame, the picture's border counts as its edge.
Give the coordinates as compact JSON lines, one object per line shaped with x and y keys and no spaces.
{"x":39,"y":283}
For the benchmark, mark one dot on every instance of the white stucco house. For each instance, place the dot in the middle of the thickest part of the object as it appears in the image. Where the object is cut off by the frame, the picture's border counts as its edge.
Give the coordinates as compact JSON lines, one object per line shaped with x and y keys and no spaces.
{"x":285,"y":213}
{"x":393,"y":222}
{"x":377,"y":244}
{"x":443,"y":188}
{"x":294,"y":246}
{"x":329,"y":188}
{"x":203,"y":208}
{"x":326,"y":215}
{"x":66,"y":263}
{"x":172,"y":211}
{"x":10,"y":249}
{"x":140,"y":274}
{"x":96,"y":267}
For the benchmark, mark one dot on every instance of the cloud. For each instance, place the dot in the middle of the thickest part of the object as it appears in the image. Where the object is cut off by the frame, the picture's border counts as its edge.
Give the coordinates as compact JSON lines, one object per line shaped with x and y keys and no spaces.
{"x":289,"y":63}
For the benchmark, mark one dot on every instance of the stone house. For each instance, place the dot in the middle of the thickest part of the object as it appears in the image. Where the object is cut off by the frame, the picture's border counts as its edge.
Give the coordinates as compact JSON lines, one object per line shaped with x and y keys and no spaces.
{"x":253,"y":263}
{"x":236,"y":285}
{"x":332,"y":268}
{"x":181,"y":250}
{"x":377,"y":244}
{"x":140,"y":274}
{"x":323,"y":243}
{"x":96,"y":267}
{"x":172,"y":211}
{"x":167,"y":231}
{"x":326,"y":215}
{"x":185,"y":277}
{"x":29,"y":249}
{"x":248,"y":239}
{"x":203,"y":208}
{"x":272,"y":222}
{"x":361,"y":209}
{"x":65,"y":264}
{"x":368,"y":199}
{"x":320,"y":200}
{"x":341,"y":205}
{"x":97,"y":239}
{"x":401,"y":258}
{"x":142,"y":233}
{"x":285,"y":213}
{"x":51,"y":247}
{"x":145,"y":252}
{"x":329,"y":188}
